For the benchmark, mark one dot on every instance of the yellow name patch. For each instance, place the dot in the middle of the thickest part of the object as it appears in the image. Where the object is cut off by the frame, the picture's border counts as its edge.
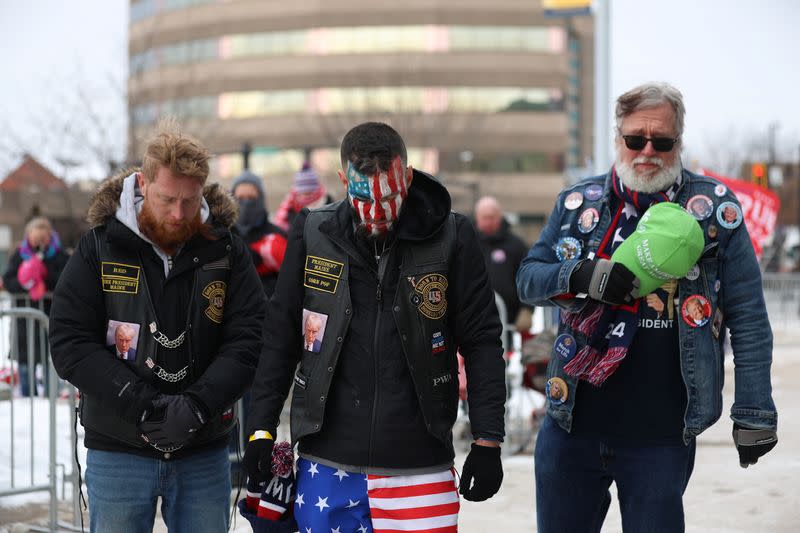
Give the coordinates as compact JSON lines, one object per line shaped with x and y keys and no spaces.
{"x":320,"y":265}
{"x":119,"y":277}
{"x":320,"y":283}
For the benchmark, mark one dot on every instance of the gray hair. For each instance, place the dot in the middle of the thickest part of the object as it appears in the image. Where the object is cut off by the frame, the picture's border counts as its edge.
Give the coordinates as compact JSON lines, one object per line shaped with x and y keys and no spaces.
{"x":38,"y":223}
{"x":124,"y":329}
{"x":649,"y":95}
{"x":313,"y":319}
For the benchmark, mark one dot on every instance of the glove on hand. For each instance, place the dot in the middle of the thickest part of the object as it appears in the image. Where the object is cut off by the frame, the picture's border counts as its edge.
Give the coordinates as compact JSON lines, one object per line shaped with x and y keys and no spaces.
{"x":257,"y":459}
{"x":172,"y":421}
{"x":605,"y":281}
{"x":753,"y":443}
{"x":483,"y":467}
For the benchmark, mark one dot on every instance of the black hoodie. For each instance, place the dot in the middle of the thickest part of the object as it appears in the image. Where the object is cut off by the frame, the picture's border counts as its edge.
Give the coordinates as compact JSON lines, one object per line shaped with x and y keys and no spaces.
{"x":400,"y":439}
{"x":503,"y":252}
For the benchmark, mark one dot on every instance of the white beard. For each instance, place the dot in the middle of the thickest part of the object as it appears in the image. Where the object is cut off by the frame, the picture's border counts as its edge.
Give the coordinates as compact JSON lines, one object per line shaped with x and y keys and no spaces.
{"x":659,"y":181}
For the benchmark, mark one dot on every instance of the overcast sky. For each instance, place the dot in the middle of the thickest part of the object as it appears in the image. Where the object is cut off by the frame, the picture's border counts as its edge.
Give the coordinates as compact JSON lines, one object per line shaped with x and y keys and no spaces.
{"x":733,"y":61}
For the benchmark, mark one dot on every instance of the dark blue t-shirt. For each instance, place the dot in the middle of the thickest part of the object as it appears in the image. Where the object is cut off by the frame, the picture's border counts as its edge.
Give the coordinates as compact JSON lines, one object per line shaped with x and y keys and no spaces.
{"x":644,"y":400}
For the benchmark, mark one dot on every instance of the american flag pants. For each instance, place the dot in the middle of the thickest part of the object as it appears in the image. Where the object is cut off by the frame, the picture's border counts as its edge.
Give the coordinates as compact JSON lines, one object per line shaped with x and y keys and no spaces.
{"x":331,"y":500}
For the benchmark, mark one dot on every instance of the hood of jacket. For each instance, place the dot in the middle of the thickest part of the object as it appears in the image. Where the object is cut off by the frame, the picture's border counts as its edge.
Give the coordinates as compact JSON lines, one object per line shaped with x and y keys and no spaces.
{"x":426,"y":208}
{"x":105,"y":204}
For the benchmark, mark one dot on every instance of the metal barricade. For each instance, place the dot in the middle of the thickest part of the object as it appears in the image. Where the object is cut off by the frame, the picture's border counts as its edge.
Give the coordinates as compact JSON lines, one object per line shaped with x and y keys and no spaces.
{"x":782,"y":297}
{"x":10,"y":316}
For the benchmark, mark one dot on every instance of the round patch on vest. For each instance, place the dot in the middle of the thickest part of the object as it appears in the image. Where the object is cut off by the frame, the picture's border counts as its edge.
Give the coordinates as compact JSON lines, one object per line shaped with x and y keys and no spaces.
{"x":432,"y":289}
{"x":214,"y":292}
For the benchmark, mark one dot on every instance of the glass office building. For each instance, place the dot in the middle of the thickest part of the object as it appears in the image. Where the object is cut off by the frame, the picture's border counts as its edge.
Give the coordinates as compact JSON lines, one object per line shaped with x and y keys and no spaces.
{"x":489,"y":96}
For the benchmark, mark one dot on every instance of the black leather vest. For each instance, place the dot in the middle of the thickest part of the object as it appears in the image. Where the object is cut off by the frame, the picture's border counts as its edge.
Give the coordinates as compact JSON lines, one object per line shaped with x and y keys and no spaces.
{"x":127,"y":299}
{"x":420,"y":315}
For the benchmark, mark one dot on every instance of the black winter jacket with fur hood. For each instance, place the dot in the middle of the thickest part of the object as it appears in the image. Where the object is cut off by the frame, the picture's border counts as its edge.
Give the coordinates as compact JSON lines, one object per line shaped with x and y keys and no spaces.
{"x":79,"y":319}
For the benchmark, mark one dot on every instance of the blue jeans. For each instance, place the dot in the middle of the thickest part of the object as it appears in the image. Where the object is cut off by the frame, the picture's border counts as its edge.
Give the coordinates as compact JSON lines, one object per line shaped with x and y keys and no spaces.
{"x":24,"y":385}
{"x":573,"y":475}
{"x":123,"y":490}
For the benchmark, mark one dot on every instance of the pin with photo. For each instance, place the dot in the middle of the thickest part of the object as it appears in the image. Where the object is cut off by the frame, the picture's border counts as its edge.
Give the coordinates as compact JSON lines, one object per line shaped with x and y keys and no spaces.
{"x":729,"y":215}
{"x":588,"y":219}
{"x":700,"y":206}
{"x":696,"y":310}
{"x":720,"y":190}
{"x":573,"y":200}
{"x":556,"y":390}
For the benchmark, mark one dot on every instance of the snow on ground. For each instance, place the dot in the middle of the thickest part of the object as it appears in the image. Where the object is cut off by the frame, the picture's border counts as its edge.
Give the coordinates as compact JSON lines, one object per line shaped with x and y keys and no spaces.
{"x":721,"y":498}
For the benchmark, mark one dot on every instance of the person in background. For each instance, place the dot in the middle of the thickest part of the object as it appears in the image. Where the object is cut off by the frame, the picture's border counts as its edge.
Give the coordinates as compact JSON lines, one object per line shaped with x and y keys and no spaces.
{"x":503,"y":252}
{"x":32,"y":271}
{"x":307,"y":191}
{"x":642,"y":383}
{"x":266,"y":241}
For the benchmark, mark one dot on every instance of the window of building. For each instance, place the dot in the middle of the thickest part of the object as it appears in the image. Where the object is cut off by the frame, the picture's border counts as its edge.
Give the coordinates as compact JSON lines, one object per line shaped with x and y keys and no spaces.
{"x":336,"y":100}
{"x":357,"y":40}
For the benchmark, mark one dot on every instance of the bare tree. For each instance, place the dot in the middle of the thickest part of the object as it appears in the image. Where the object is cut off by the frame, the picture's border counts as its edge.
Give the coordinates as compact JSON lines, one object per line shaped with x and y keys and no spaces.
{"x":82,"y":121}
{"x":726,"y":150}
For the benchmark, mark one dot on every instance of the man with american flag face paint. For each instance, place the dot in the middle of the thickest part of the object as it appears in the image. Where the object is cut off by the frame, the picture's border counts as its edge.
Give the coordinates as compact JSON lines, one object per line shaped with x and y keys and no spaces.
{"x":378,"y":196}
{"x":399,"y":283}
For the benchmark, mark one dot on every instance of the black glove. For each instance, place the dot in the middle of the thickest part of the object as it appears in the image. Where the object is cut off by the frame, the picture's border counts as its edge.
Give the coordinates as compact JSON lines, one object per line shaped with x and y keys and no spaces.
{"x":753,"y":443}
{"x":605,"y":281}
{"x":483,"y":467}
{"x":257,"y":459}
{"x":172,"y":421}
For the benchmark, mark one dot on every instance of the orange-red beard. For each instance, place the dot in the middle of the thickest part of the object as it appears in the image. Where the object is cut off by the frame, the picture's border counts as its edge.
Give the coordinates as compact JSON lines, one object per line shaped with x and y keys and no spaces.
{"x":167,"y":237}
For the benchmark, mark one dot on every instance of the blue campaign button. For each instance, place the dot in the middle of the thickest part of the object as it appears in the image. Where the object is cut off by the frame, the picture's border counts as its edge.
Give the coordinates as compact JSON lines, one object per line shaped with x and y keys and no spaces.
{"x":568,"y":248}
{"x":593,"y":192}
{"x":565,"y":346}
{"x":729,"y":215}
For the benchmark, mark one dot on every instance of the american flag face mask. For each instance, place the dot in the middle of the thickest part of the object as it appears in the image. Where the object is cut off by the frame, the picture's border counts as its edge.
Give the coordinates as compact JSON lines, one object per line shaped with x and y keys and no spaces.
{"x":377,"y":198}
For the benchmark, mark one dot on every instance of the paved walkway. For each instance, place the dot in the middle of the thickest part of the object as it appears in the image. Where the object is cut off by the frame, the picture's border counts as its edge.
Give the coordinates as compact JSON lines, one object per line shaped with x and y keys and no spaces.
{"x":722,"y":497}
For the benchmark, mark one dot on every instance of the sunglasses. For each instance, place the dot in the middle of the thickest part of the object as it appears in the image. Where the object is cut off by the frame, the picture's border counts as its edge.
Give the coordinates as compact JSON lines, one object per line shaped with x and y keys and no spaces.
{"x":638,"y":142}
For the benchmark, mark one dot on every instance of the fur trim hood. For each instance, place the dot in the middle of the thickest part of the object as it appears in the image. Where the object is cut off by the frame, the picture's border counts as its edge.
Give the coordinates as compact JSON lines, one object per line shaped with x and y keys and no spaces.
{"x":105,"y":202}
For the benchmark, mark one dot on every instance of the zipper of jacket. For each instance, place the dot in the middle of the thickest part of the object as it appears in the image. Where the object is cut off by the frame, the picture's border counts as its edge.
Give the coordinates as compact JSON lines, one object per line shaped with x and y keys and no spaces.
{"x":188,"y":327}
{"x":382,"y":263}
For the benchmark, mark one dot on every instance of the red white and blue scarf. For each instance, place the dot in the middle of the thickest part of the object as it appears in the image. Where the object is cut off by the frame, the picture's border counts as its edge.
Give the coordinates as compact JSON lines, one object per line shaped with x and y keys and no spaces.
{"x":610,"y":328}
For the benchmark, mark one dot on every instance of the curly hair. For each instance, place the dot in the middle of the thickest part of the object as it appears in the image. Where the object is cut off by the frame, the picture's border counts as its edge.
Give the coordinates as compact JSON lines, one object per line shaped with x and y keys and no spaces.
{"x":182,"y":154}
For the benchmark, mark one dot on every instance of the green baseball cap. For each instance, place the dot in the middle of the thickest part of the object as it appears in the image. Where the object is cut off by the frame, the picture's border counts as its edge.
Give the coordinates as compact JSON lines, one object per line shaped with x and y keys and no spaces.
{"x":667,"y":242}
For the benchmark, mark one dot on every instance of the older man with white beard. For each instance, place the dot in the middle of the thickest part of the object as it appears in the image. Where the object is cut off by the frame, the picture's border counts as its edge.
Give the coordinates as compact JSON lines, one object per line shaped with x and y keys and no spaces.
{"x":642,"y":376}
